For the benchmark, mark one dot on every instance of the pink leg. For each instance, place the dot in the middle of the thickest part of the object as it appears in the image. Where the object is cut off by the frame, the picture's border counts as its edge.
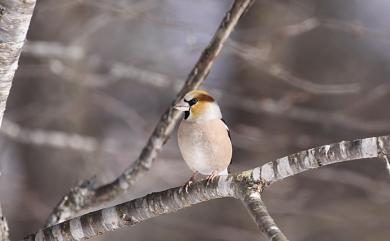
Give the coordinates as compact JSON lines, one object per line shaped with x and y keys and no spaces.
{"x":189,"y":182}
{"x":211,"y":177}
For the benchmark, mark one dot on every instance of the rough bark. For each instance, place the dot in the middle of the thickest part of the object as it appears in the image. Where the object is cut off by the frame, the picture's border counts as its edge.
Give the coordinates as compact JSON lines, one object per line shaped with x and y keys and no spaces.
{"x":15,"y":19}
{"x":321,"y":156}
{"x":246,"y":186}
{"x":136,"y":211}
{"x":86,"y":194}
{"x":256,"y":207}
{"x":4,"y":230}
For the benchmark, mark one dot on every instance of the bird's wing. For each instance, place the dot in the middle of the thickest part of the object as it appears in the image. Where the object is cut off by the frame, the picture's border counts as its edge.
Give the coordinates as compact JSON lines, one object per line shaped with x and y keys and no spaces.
{"x":227,"y":128}
{"x":230,"y":137}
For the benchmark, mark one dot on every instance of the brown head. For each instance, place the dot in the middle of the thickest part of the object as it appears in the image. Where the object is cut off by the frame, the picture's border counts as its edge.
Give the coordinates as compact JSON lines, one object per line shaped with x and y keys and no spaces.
{"x":199,"y":105}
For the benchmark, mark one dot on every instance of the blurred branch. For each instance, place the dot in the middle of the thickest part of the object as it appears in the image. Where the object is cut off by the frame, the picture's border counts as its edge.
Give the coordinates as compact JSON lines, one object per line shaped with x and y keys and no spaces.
{"x":122,"y":111}
{"x":254,"y":204}
{"x":130,"y":10}
{"x":246,"y":185}
{"x":56,"y":139}
{"x":354,"y":28}
{"x":116,"y":71}
{"x":284,"y":107}
{"x":258,"y":57}
{"x":76,"y":201}
{"x":53,"y":50}
{"x":279,"y":72}
{"x":15,"y":19}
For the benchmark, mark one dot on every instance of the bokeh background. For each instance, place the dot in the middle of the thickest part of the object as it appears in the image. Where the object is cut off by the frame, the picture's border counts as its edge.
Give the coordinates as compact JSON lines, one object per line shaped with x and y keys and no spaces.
{"x":96,"y":75}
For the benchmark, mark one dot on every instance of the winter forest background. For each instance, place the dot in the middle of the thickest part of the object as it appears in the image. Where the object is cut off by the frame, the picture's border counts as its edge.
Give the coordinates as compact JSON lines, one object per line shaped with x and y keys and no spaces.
{"x":96,"y":75}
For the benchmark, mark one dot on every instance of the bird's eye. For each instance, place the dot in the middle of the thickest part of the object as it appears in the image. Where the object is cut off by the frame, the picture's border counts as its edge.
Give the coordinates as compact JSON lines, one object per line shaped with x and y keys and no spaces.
{"x":193,"y":101}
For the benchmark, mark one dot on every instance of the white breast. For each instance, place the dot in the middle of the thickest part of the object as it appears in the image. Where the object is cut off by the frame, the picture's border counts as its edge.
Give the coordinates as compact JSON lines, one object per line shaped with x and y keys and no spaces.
{"x":205,"y":146}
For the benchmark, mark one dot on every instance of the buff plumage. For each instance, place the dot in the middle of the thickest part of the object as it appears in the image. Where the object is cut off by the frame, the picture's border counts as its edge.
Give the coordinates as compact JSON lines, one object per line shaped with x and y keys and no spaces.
{"x":203,"y":137}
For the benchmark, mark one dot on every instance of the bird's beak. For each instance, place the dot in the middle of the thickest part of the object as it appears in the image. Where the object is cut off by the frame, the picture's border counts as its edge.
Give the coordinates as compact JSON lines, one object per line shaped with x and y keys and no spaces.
{"x":182,"y":106}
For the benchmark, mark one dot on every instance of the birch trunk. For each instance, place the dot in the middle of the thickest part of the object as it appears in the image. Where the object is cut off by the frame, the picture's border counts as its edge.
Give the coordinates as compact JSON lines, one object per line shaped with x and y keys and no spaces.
{"x":15,"y":16}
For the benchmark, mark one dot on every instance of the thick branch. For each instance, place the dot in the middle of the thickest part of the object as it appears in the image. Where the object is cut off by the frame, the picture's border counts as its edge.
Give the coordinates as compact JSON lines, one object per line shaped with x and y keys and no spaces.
{"x":321,"y":156}
{"x":136,"y":211}
{"x":171,"y":200}
{"x":15,"y":19}
{"x":75,"y":201}
{"x":256,"y":207}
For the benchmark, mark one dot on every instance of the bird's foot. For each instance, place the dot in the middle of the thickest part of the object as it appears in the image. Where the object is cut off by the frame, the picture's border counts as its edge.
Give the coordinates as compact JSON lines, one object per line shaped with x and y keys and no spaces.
{"x":211,"y":177}
{"x":189,"y":182}
{"x":187,"y":185}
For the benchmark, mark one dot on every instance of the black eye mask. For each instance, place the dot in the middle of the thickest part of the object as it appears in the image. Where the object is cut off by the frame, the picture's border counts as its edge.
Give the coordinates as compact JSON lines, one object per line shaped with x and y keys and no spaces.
{"x":192,"y":101}
{"x":186,"y":115}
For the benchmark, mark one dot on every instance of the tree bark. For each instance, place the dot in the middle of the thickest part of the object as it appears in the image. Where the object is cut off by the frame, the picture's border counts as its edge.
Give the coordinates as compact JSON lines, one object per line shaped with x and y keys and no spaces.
{"x":256,"y":207}
{"x":4,"y":230}
{"x":246,"y":186}
{"x":15,"y":19}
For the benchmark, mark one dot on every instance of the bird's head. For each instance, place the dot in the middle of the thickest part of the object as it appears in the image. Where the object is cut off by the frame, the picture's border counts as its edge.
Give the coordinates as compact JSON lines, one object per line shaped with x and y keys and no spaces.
{"x":199,"y":105}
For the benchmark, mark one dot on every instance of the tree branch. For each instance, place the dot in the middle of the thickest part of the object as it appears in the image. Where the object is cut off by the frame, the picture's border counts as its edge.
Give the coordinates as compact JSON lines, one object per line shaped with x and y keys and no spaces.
{"x":75,"y":201}
{"x":244,"y":185}
{"x":256,"y":207}
{"x":56,"y":139}
{"x":136,"y":211}
{"x":15,"y":19}
{"x":4,"y":230}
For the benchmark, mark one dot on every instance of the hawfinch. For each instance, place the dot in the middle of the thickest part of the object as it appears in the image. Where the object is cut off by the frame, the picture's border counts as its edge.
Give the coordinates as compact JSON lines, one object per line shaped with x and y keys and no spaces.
{"x":203,"y":137}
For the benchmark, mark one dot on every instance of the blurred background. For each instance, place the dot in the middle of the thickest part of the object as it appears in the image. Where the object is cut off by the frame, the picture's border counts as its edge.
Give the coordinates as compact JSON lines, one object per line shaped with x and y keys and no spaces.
{"x":96,"y":75}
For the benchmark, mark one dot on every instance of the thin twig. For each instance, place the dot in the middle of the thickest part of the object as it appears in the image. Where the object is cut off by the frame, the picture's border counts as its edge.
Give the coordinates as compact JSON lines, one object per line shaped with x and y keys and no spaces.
{"x":256,"y":207}
{"x":258,"y":58}
{"x":171,"y":200}
{"x":289,"y":110}
{"x":76,"y":201}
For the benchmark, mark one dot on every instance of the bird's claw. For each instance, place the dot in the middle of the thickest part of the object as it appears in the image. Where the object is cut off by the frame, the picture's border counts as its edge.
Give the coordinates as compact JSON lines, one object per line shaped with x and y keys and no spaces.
{"x":189,"y":182}
{"x":187,"y":185}
{"x":211,"y":177}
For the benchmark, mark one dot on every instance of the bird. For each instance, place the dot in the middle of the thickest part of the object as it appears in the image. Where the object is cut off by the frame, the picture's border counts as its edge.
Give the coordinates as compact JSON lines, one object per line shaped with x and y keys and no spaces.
{"x":203,"y":136}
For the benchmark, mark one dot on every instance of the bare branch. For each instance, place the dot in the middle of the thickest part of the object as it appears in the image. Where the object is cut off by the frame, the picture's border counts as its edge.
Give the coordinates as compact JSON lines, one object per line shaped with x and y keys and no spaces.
{"x":328,"y":118}
{"x":136,"y":211}
{"x":258,"y":58}
{"x":15,"y":19}
{"x":254,"y":204}
{"x":279,"y":72}
{"x":4,"y":230}
{"x":162,"y":131}
{"x":245,"y":185}
{"x":53,"y":50}
{"x":322,"y":156}
{"x":55,"y":139}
